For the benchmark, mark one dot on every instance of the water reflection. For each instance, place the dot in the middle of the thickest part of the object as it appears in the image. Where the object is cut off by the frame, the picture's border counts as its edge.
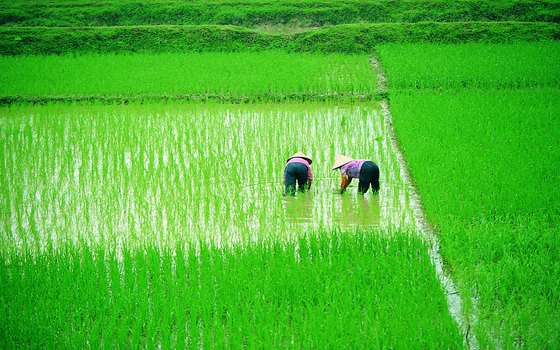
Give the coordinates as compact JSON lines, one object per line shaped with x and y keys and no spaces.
{"x":299,"y":208}
{"x":358,"y":210}
{"x":323,"y":208}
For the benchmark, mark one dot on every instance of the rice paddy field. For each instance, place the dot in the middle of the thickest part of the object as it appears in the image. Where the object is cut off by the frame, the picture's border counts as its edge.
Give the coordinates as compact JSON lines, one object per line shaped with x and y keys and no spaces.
{"x":175,"y":212}
{"x":181,"y":171}
{"x":141,"y":175}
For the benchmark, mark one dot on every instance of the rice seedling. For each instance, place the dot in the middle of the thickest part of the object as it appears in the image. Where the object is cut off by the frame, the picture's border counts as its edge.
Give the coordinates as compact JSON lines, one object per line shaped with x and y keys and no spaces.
{"x":488,"y":66}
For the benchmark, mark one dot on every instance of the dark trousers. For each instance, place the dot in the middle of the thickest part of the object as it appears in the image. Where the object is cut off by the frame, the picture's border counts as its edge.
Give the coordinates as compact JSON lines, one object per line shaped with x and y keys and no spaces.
{"x":292,"y":173}
{"x":369,"y":175}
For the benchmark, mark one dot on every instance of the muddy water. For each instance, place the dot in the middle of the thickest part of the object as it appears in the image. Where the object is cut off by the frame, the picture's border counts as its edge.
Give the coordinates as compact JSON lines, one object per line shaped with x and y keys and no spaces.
{"x":163,"y":174}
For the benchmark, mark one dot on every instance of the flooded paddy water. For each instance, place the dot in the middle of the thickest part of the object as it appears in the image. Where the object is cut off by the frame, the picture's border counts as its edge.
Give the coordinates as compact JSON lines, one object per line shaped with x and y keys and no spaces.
{"x":170,"y":174}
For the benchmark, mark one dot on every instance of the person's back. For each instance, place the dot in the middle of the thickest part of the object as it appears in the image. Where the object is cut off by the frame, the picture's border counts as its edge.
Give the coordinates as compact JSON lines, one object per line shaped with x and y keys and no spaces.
{"x":297,"y":170}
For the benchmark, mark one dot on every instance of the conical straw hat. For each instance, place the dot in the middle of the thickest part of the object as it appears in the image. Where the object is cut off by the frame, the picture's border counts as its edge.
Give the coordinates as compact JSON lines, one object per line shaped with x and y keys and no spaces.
{"x":300,"y":155}
{"x":340,"y":161}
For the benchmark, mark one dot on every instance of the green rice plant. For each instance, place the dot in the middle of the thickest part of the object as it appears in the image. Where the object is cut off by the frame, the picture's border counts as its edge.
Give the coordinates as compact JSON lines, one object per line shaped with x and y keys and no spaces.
{"x":264,"y":75}
{"x":499,"y":147}
{"x":357,"y":289}
{"x":502,"y":66}
{"x":483,"y":157}
{"x":483,"y":167}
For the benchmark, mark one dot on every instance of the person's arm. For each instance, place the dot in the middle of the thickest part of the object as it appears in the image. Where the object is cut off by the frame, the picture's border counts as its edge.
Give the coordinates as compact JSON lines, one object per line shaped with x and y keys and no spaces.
{"x":345,"y":181}
{"x":309,"y":182}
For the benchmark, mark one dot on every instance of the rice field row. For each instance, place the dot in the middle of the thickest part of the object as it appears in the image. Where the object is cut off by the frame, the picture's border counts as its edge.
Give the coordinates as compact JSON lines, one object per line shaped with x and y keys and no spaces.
{"x":263,"y":75}
{"x":483,"y":157}
{"x":333,"y":289}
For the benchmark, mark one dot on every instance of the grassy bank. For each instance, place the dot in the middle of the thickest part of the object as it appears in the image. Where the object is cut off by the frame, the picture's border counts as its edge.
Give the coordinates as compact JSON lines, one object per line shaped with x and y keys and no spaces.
{"x":326,"y":290}
{"x":307,"y":13}
{"x":478,"y":126}
{"x":351,"y":38}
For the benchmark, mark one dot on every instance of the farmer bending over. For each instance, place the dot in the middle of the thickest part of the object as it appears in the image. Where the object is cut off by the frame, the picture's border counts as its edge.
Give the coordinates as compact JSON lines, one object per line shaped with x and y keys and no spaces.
{"x":297,"y":169}
{"x":365,"y":170}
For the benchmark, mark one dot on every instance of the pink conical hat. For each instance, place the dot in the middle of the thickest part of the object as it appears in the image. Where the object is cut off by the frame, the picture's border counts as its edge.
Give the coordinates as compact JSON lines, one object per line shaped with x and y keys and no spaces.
{"x":300,"y":155}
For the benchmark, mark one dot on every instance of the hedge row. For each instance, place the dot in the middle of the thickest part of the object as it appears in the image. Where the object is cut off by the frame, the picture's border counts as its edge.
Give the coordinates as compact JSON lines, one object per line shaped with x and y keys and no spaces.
{"x":343,"y":38}
{"x":250,"y":13}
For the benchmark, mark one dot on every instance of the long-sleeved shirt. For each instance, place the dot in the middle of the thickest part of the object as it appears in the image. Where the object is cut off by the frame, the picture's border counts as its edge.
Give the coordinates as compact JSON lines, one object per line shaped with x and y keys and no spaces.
{"x":304,"y":161}
{"x":352,"y":169}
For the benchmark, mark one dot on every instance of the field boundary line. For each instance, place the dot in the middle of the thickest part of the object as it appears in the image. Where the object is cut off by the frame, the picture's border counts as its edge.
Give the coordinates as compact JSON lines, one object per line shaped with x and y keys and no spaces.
{"x":423,"y":227}
{"x":225,"y":98}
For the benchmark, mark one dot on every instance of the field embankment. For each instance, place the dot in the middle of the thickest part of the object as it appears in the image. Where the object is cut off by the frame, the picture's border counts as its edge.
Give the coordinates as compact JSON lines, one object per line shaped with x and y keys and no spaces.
{"x":58,"y":27}
{"x":348,"y":38}
{"x":478,"y":126}
{"x":262,"y":13}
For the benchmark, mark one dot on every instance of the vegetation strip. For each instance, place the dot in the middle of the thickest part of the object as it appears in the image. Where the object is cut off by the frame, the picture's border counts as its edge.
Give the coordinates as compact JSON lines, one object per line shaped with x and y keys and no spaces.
{"x":220,"y":77}
{"x":212,"y":98}
{"x":347,"y":38}
{"x":254,"y":13}
{"x":452,"y":294}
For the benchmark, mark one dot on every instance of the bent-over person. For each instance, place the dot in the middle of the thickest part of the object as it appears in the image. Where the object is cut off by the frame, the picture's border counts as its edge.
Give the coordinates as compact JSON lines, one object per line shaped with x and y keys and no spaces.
{"x":297,"y":170}
{"x":364,"y":170}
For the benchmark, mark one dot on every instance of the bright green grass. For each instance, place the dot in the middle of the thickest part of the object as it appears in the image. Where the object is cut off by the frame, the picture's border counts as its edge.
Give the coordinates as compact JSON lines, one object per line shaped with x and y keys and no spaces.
{"x":485,"y":164}
{"x":260,"y":75}
{"x":471,"y":65}
{"x":331,"y":290}
{"x":482,"y":152}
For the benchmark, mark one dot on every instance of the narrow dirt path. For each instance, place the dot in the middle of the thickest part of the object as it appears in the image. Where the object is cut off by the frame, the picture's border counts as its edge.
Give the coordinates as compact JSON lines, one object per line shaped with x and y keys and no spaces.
{"x":422,"y":226}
